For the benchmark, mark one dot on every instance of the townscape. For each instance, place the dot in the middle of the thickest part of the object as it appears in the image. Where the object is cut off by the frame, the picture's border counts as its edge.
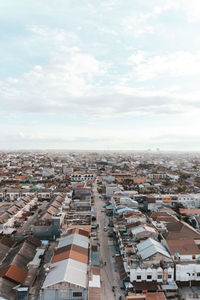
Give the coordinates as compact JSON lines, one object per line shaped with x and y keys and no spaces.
{"x":99,"y":225}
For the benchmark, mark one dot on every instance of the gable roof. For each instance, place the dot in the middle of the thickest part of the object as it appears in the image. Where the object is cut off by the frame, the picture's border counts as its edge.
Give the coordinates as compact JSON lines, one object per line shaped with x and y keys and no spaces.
{"x":76,"y":239}
{"x":70,"y":271}
{"x":150,"y":247}
{"x":7,"y":242}
{"x":179,"y":230}
{"x":183,"y":247}
{"x":14,"y":273}
{"x":71,"y":251}
{"x":143,"y":228}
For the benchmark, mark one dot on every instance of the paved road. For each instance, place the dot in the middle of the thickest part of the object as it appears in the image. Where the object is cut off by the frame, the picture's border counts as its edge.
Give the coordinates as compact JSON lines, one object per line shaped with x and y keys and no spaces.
{"x":36,"y":289}
{"x":108,"y":275}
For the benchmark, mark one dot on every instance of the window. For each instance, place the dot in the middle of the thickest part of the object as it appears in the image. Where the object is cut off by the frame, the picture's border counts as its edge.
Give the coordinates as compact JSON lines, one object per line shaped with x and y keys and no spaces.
{"x":159,"y":277}
{"x":198,"y":274}
{"x":169,"y":276}
{"x":77,"y":294}
{"x":139,"y":277}
{"x":149,"y":276}
{"x":193,"y":256}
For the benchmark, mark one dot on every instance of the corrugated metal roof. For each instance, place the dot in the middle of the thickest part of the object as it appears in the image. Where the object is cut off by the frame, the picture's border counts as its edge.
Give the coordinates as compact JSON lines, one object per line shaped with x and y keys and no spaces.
{"x":140,"y":228}
{"x":7,"y":242}
{"x":71,"y":251}
{"x":95,"y":259}
{"x":147,"y":243}
{"x":76,"y":239}
{"x":68,"y":270}
{"x":125,"y":209}
{"x":150,"y":247}
{"x":14,"y":273}
{"x":136,"y":230}
{"x":31,"y":276}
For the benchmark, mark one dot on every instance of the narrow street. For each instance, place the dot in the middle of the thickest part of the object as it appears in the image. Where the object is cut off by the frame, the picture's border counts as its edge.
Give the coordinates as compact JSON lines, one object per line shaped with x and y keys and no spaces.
{"x":108,"y":275}
{"x":25,"y":228}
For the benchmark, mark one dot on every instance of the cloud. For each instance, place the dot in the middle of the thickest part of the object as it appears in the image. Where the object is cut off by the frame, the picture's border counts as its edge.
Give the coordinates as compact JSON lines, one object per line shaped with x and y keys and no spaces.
{"x":191,"y":8}
{"x":56,"y":35}
{"x":68,"y":73}
{"x":177,"y":64}
{"x":148,"y":23}
{"x":137,"y":25}
{"x":183,"y":142}
{"x":74,"y":82}
{"x":132,"y":141}
{"x":51,"y":92}
{"x":109,"y":4}
{"x":21,"y":141}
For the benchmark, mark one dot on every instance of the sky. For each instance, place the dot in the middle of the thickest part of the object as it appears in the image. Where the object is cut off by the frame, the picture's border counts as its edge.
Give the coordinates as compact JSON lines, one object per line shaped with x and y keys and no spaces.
{"x":100,"y":75}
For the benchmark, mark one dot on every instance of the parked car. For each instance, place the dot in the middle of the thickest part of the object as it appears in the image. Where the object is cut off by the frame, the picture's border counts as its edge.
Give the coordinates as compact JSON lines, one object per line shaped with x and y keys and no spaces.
{"x":93,"y":234}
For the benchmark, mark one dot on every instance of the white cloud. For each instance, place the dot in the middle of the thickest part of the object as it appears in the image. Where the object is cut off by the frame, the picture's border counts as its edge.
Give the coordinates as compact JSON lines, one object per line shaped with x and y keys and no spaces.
{"x":137,"y":25}
{"x":109,"y":4}
{"x":58,"y":90}
{"x":143,"y":23}
{"x":74,"y":82}
{"x":57,"y":36}
{"x":191,"y":8}
{"x":68,"y":73}
{"x":138,"y":58}
{"x":178,"y":64}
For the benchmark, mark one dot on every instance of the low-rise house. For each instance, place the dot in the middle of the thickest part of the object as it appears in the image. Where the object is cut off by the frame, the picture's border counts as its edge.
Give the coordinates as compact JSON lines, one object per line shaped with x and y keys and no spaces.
{"x":14,"y":266}
{"x":44,"y":195}
{"x":154,"y":263}
{"x":67,"y":274}
{"x":13,"y":194}
{"x":94,"y":285}
{"x":144,"y":231}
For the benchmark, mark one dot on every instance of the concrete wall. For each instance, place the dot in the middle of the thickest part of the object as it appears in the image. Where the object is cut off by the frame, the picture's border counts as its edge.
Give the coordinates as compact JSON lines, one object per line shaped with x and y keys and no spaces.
{"x":63,"y":294}
{"x":153,"y":272}
{"x":50,"y":232}
{"x":188,"y":272}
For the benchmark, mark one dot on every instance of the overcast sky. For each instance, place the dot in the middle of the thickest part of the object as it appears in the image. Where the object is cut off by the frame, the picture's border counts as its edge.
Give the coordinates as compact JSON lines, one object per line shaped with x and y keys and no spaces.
{"x":95,"y":74}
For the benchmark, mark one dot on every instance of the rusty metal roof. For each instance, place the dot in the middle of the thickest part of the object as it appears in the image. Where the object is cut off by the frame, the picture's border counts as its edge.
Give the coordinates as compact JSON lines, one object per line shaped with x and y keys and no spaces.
{"x":14,"y":273}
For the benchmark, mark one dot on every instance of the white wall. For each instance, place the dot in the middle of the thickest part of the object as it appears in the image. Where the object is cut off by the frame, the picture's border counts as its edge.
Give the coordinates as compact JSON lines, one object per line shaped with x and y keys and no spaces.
{"x":154,"y":272}
{"x":187,"y":272}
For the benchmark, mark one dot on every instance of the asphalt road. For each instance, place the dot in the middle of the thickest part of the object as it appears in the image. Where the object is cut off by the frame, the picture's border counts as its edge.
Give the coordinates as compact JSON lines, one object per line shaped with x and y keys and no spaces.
{"x":108,"y":275}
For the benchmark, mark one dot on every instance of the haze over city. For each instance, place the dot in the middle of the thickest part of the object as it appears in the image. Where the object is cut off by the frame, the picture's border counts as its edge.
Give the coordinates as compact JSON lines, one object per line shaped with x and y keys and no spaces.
{"x":99,"y":150}
{"x":107,"y":75}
